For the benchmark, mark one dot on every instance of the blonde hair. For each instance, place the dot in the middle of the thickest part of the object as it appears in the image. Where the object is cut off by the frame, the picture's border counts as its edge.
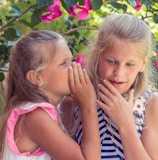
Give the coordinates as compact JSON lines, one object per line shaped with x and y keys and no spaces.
{"x":124,"y":27}
{"x":27,"y":54}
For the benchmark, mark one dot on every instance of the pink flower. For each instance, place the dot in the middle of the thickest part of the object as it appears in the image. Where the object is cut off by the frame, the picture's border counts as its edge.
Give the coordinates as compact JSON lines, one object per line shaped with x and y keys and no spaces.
{"x":82,"y":60}
{"x":138,"y":5}
{"x":157,"y":54}
{"x":53,"y":12}
{"x":82,"y":12}
{"x":88,"y":4}
{"x":156,"y":64}
{"x":47,"y":17}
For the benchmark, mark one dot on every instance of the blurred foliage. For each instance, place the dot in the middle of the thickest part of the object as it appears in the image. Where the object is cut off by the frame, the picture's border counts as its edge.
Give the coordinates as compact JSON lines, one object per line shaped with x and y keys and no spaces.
{"x":1,"y":101}
{"x":20,"y":17}
{"x":17,"y":17}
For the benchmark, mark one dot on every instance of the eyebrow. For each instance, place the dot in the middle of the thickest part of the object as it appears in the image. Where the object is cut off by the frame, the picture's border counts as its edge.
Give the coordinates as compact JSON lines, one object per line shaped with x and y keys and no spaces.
{"x":68,"y":57}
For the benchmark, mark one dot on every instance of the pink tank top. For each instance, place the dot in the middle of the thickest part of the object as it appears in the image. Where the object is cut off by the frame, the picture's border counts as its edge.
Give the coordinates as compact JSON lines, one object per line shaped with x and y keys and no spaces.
{"x":11,"y":151}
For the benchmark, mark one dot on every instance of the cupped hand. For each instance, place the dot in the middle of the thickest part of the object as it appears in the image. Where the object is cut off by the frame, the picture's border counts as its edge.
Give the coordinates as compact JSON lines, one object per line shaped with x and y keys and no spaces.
{"x":81,"y":87}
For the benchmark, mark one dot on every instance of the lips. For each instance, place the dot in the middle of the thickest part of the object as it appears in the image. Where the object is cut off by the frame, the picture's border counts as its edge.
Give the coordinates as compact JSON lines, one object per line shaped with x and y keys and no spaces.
{"x":115,"y":82}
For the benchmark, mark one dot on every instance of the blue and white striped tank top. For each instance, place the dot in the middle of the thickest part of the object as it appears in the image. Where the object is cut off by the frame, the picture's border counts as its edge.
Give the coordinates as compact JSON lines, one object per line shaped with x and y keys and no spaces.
{"x":111,"y":147}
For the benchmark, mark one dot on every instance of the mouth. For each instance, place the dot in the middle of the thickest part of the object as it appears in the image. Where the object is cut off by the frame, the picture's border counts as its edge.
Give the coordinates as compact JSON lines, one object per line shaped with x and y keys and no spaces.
{"x":115,"y":83}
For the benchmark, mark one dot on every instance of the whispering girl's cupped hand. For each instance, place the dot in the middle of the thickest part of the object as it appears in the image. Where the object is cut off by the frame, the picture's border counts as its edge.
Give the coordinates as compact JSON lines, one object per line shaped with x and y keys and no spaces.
{"x":81,"y":86}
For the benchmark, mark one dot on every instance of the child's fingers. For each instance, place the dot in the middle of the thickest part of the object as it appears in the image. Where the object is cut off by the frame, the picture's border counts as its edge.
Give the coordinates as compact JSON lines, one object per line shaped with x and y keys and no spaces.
{"x":86,"y":77}
{"x":75,"y":73}
{"x":80,"y":73}
{"x":105,"y":91}
{"x":110,"y":87}
{"x":71,"y":77}
{"x":131,"y":97}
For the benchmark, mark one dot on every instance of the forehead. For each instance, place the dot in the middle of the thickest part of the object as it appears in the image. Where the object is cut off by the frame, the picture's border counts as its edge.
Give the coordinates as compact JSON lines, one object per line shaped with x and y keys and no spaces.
{"x":62,"y":50}
{"x":123,"y":49}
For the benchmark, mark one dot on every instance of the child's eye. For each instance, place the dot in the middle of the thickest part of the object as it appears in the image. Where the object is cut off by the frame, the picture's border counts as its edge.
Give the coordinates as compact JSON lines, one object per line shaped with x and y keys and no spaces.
{"x":130,"y":64}
{"x":111,"y":61}
{"x":66,"y":63}
{"x":63,"y":63}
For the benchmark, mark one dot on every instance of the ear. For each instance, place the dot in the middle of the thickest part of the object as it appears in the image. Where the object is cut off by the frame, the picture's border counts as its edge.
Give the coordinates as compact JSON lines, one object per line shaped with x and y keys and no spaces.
{"x":33,"y":77}
{"x":144,"y":64}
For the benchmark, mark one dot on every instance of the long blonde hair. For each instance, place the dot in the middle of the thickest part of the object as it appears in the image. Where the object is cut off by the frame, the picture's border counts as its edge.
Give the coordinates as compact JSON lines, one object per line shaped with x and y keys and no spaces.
{"x":27,"y":55}
{"x":125,"y":27}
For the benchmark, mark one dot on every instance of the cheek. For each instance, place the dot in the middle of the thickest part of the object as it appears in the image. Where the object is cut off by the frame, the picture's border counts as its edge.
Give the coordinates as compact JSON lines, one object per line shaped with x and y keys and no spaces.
{"x":104,"y":70}
{"x":132,"y":76}
{"x":64,"y":75}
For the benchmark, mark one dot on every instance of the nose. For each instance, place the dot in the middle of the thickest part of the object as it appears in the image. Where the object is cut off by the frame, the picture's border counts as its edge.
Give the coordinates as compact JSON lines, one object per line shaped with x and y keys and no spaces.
{"x":119,"y":70}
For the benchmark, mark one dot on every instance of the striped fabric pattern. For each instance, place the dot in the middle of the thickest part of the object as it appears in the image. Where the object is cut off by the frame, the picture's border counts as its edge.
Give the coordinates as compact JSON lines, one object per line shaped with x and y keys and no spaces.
{"x":111,"y":147}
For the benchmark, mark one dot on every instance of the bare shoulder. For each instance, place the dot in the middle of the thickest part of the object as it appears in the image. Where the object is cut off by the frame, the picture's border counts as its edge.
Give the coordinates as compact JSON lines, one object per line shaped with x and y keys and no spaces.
{"x":149,"y":135}
{"x":153,"y":100}
{"x":152,"y":106}
{"x":37,"y":119}
{"x":37,"y":115}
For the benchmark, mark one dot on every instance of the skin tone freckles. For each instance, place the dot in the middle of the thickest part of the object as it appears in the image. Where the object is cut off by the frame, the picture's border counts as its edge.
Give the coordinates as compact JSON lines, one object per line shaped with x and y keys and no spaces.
{"x":56,"y":73}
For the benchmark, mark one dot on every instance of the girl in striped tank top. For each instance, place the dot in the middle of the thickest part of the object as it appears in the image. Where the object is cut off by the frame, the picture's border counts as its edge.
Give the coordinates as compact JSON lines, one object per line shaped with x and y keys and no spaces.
{"x":127,"y":108}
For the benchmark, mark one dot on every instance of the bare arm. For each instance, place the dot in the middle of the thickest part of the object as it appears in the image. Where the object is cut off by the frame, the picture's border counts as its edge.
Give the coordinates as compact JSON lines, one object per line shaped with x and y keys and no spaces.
{"x":66,"y":108}
{"x":85,"y":98}
{"x":150,"y":133}
{"x":44,"y":132}
{"x":146,"y":147}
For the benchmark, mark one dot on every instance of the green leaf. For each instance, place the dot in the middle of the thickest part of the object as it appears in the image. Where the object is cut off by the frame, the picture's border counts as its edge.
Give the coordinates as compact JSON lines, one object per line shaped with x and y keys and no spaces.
{"x":147,"y":4}
{"x":44,"y":2}
{"x":64,"y":5}
{"x":69,"y":3}
{"x":25,"y":23}
{"x":18,"y":32}
{"x":16,"y":10}
{"x":119,"y":6}
{"x":96,"y":4}
{"x":156,"y":18}
{"x":24,"y":1}
{"x":132,"y":3}
{"x":3,"y":49}
{"x":35,"y":18}
{"x":12,"y":15}
{"x":10,"y":34}
{"x":2,"y":77}
{"x":1,"y":22}
{"x":81,"y":2}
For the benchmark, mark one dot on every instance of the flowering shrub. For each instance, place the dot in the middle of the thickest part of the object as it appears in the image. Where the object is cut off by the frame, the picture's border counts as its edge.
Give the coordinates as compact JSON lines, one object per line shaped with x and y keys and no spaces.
{"x":54,"y":11}
{"x":80,"y":11}
{"x":156,"y":64}
{"x":155,"y":61}
{"x":82,"y":60}
{"x":138,"y":5}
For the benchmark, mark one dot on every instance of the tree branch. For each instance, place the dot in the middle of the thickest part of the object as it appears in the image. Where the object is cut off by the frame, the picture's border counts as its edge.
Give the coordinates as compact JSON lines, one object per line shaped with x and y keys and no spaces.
{"x":15,"y":19}
{"x":80,"y":28}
